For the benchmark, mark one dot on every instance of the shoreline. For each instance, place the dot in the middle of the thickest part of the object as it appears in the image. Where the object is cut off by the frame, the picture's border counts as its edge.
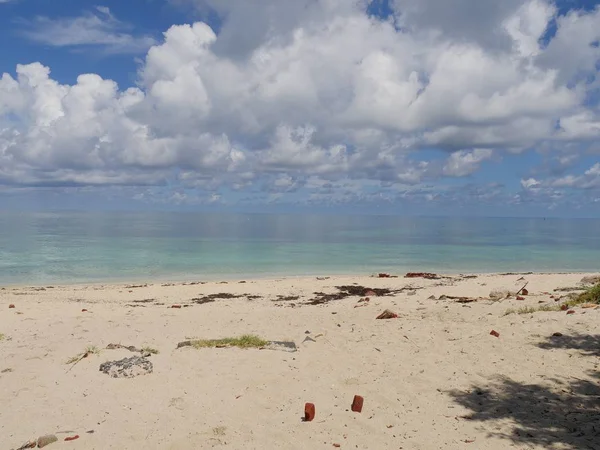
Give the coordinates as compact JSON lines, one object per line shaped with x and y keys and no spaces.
{"x":183,"y":280}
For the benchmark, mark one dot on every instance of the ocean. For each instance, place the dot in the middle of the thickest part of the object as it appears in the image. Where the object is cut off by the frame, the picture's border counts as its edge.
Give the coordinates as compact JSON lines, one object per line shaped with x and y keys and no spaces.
{"x":73,"y":247}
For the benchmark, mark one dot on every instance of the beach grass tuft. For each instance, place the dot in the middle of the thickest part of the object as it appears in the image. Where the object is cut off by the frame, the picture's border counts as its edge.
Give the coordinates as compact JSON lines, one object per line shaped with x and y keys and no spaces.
{"x":245,"y":341}
{"x":532,"y":309}
{"x":591,"y":295}
{"x":2,"y":336}
{"x":91,"y":350}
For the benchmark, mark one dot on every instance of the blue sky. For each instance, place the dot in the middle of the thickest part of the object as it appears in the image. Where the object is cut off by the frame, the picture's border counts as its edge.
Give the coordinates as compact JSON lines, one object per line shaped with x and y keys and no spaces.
{"x":438,"y":107}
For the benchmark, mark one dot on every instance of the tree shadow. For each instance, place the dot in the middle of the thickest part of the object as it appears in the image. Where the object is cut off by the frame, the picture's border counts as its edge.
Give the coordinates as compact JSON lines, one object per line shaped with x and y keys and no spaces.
{"x":587,"y":344}
{"x":563,"y":413}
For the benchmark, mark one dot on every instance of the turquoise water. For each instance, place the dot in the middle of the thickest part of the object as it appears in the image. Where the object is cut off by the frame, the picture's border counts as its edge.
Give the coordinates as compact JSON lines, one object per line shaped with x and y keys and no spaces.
{"x":44,"y":248}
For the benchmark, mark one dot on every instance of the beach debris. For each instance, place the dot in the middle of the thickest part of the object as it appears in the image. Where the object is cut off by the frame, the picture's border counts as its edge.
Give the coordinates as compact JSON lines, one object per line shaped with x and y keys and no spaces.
{"x":212,"y":297}
{"x":495,"y":333}
{"x":564,"y":307}
{"x":463,"y":299}
{"x":362,"y":302}
{"x":84,"y":310}
{"x":48,"y":439}
{"x":176,"y":306}
{"x":571,"y":311}
{"x":286,"y":298}
{"x":520,"y":298}
{"x":357,"y":403}
{"x":557,"y":334}
{"x":350,"y":291}
{"x":337,"y":445}
{"x":146,"y":351}
{"x":499,"y":294}
{"x":589,"y":305}
{"x":309,"y":412}
{"x":28,"y":444}
{"x":322,"y":278}
{"x":72,"y":438}
{"x":308,"y":339}
{"x":387,"y":314}
{"x":283,"y":346}
{"x":428,"y":276}
{"x":127,"y":367}
{"x":11,"y":306}
{"x":590,"y":279}
{"x":568,"y":289}
{"x":524,"y":291}
{"x":242,"y":282}
{"x":384,"y":275}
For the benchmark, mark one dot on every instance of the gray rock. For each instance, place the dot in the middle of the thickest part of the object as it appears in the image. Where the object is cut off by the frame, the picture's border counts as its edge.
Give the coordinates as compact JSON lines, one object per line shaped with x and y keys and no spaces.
{"x":592,"y":279}
{"x":127,"y":367}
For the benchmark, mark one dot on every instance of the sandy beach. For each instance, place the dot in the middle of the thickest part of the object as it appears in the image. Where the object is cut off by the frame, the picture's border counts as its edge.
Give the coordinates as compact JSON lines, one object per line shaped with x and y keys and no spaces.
{"x":432,"y":378}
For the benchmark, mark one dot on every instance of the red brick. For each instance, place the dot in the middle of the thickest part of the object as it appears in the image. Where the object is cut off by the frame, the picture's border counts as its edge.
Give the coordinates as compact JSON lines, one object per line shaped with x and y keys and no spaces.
{"x":357,"y":403}
{"x":176,"y":306}
{"x":11,"y":306}
{"x":495,"y":333}
{"x":72,"y":438}
{"x":309,"y":412}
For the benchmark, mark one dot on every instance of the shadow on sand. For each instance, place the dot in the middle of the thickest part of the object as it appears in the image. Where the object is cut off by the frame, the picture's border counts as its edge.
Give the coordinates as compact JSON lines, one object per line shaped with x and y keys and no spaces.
{"x":562,"y":413}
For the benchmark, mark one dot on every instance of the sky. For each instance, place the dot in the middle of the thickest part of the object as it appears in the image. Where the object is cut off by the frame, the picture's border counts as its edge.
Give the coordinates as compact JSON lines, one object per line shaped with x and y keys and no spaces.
{"x":435,"y":107}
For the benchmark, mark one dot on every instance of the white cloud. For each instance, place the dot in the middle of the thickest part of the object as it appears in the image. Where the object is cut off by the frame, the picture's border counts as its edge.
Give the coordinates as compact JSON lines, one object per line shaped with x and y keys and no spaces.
{"x":529,"y":183}
{"x":463,"y":163}
{"x":100,"y":29}
{"x":323,"y":91}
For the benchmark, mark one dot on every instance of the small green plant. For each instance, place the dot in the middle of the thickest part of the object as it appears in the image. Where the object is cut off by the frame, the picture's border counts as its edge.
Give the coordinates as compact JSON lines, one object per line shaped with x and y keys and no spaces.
{"x":245,"y":341}
{"x":2,"y":337}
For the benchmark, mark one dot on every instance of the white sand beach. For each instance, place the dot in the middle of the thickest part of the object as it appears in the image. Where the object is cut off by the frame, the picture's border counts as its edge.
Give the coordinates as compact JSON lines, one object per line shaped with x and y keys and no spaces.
{"x":433,"y":378}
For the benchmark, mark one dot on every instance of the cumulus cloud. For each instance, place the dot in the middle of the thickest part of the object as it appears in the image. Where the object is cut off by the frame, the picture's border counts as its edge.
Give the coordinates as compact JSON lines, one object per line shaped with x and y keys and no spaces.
{"x":323,"y":91}
{"x":99,"y":29}
{"x":463,"y":163}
